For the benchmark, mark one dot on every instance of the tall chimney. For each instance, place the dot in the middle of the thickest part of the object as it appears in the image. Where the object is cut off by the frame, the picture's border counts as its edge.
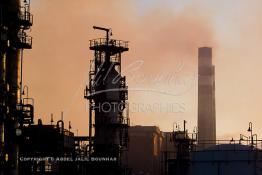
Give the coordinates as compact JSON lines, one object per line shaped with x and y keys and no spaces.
{"x":206,"y":98}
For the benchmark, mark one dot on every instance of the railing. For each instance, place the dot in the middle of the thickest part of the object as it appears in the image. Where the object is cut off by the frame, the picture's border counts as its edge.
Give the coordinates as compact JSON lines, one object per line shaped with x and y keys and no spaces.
{"x":24,"y":42}
{"x":68,"y":133}
{"x":181,"y":135}
{"x":112,"y":42}
{"x":120,"y":121}
{"x":26,"y":111}
{"x":25,"y":17}
{"x":232,"y":144}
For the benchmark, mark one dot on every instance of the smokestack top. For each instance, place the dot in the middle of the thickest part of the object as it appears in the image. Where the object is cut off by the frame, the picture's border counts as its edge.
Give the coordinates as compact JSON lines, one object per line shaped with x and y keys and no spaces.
{"x":205,"y":56}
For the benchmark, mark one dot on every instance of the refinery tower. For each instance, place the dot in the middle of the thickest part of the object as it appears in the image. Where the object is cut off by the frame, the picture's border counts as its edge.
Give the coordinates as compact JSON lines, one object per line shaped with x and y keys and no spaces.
{"x":108,"y":112}
{"x":15,"y":21}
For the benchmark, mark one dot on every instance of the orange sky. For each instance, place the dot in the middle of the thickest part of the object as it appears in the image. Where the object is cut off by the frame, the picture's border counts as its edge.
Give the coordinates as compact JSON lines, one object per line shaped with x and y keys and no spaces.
{"x":164,"y":37}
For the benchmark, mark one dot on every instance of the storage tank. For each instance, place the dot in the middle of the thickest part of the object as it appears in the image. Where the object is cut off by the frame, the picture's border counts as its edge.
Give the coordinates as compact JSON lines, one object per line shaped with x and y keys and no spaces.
{"x":226,"y":159}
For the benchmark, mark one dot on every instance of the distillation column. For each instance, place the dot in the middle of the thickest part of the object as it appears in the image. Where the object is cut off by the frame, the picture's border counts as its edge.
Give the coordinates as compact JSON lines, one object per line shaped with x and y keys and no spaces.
{"x":107,"y":94}
{"x":14,"y":20}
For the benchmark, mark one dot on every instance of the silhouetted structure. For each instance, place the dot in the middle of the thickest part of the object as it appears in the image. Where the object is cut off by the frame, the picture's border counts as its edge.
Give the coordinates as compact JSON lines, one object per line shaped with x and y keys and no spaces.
{"x":206,"y":97}
{"x":107,"y":94}
{"x":219,"y":157}
{"x":168,"y":151}
{"x":144,"y":153}
{"x":14,"y":111}
{"x":47,"y":141}
{"x":226,"y":159}
{"x":243,"y":156}
{"x":20,"y":138}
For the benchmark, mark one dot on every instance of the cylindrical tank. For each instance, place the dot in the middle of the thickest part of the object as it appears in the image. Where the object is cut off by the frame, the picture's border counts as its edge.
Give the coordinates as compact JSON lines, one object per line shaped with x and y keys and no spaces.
{"x":226,"y":159}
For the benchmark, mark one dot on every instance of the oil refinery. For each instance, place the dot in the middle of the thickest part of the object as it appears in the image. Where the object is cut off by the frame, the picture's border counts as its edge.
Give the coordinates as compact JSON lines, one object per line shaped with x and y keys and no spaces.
{"x":113,"y":146}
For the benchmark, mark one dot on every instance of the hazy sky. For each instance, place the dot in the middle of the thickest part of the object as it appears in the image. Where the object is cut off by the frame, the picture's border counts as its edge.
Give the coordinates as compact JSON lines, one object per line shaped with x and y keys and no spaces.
{"x":164,"y":37}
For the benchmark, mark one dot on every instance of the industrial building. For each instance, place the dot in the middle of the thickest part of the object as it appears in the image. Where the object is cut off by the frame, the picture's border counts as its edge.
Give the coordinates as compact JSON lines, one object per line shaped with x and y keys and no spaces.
{"x":242,"y":156}
{"x":42,"y":141}
{"x":180,"y":154}
{"x":168,"y":151}
{"x":200,"y":152}
{"x":144,"y":153}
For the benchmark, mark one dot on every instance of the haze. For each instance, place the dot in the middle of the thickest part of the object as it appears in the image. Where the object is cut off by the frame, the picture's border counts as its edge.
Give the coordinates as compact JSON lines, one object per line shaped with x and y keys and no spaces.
{"x":164,"y":37}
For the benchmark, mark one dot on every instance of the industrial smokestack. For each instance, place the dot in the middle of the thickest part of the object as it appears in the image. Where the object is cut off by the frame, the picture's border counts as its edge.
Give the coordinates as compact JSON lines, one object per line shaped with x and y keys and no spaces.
{"x":206,"y":98}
